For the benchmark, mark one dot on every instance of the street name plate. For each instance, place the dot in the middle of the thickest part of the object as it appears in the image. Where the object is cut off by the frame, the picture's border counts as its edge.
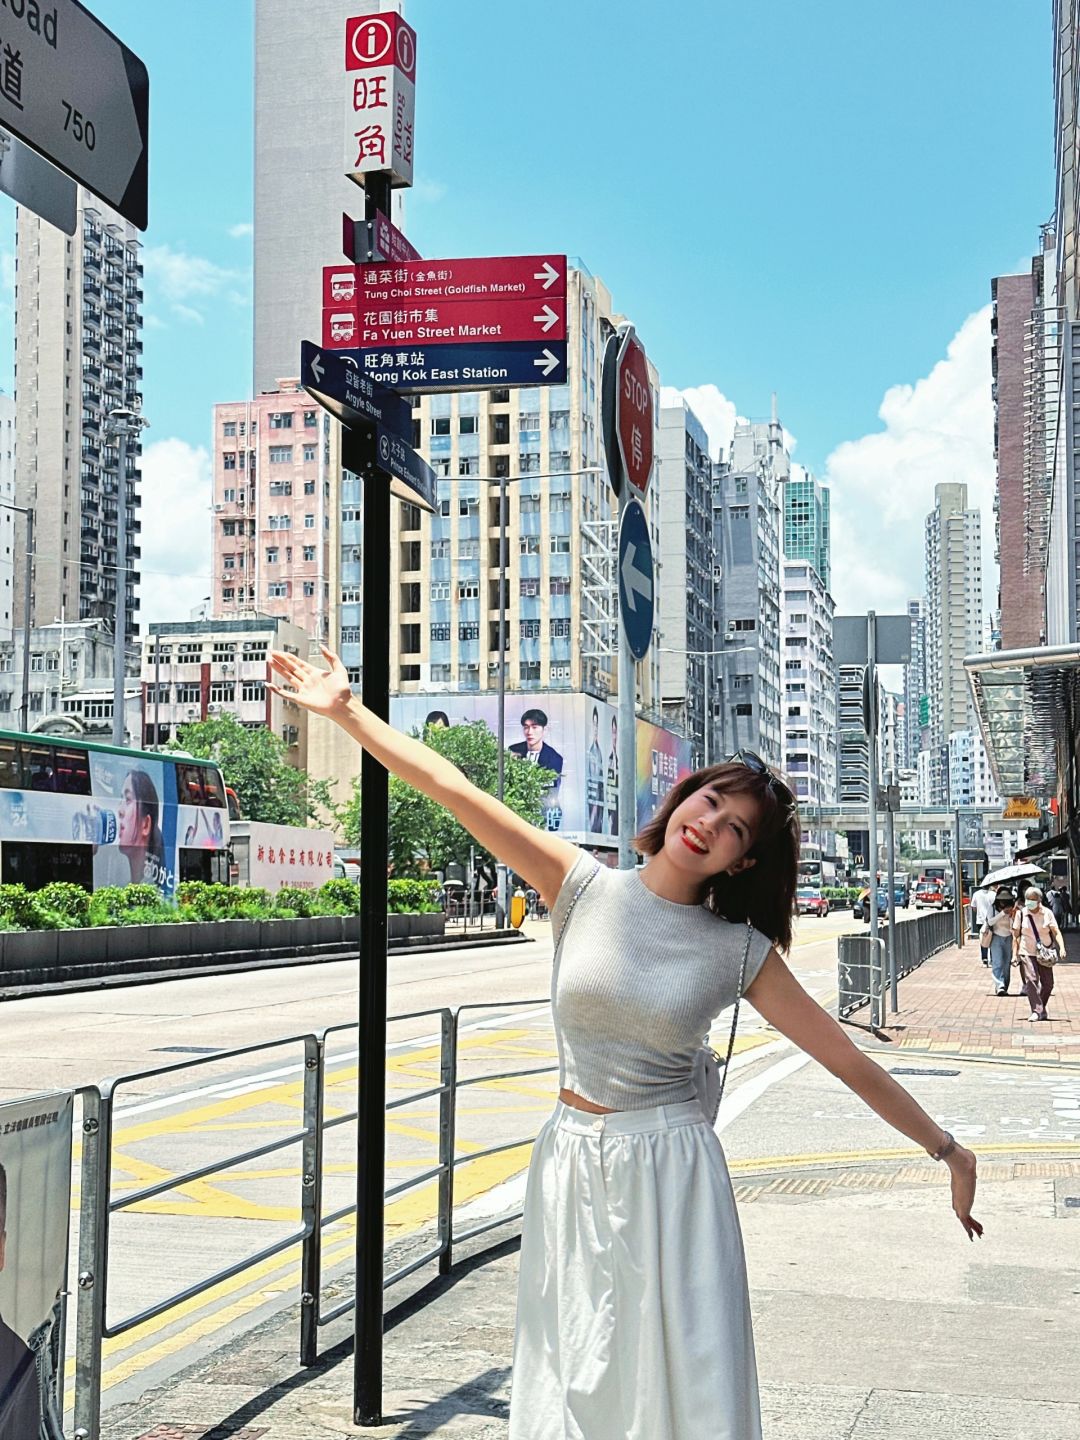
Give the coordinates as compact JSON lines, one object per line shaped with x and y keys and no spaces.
{"x":79,"y":96}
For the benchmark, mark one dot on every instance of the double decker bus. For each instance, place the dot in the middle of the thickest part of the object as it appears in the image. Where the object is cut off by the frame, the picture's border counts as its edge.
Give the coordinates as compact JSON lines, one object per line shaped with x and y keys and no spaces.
{"x":96,"y":815}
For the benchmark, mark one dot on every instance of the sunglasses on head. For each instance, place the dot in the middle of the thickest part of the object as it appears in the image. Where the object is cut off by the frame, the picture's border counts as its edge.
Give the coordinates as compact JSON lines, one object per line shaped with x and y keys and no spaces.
{"x":757,"y":765}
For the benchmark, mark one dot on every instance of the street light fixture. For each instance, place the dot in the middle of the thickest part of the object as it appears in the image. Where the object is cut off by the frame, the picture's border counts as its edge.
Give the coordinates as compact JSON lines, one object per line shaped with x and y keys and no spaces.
{"x":723,"y":650}
{"x":122,"y":424}
{"x":24,"y":710}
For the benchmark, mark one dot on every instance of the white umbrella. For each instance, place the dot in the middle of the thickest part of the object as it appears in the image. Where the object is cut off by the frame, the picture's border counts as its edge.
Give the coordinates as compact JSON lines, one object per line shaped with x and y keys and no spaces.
{"x":1012,"y":872}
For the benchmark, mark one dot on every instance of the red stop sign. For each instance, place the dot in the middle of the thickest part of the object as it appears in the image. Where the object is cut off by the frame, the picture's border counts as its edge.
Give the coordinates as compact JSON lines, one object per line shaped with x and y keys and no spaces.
{"x":634,"y":413}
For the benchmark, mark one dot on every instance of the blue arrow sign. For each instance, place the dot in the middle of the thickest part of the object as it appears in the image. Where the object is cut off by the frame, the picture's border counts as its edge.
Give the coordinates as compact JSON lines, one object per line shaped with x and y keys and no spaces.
{"x":424,"y":369}
{"x":636,"y":579}
{"x":335,"y":379}
{"x":411,"y":477}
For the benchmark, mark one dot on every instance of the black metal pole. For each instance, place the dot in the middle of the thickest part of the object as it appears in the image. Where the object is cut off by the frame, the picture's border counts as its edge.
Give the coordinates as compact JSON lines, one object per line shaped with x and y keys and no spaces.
{"x":371,"y":1010}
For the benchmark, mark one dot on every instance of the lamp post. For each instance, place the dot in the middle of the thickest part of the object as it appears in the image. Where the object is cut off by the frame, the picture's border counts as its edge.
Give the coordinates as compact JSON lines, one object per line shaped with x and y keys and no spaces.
{"x":708,"y":654}
{"x":123,"y":424}
{"x":24,"y":709}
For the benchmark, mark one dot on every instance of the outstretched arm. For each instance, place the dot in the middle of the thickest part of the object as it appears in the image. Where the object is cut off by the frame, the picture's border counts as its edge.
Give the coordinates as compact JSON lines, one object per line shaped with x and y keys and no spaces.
{"x":780,"y":1000}
{"x":543,"y":859}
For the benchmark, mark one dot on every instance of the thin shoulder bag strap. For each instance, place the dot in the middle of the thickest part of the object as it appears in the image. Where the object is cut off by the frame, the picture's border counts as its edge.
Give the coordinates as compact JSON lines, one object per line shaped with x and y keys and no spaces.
{"x":735,"y":1016}
{"x":586,"y":882}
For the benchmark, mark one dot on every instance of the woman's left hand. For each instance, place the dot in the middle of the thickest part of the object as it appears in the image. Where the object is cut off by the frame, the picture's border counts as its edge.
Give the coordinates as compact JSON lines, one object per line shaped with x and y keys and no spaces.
{"x":962,"y":1166}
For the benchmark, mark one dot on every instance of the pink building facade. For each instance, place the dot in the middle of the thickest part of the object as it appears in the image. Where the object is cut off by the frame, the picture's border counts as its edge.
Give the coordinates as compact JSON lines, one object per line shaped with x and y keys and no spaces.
{"x":271,"y":515}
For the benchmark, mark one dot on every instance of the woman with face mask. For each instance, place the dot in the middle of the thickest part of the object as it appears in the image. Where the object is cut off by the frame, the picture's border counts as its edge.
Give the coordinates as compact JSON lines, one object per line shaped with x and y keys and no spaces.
{"x":1037,"y":943}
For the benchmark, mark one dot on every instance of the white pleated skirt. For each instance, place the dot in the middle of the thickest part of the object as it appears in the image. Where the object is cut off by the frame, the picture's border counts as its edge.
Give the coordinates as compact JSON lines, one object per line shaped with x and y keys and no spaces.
{"x":633,"y":1318}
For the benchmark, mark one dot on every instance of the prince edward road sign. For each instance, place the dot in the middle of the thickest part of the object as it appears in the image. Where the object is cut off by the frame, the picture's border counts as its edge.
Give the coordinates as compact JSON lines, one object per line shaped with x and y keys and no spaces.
{"x":80,"y":97}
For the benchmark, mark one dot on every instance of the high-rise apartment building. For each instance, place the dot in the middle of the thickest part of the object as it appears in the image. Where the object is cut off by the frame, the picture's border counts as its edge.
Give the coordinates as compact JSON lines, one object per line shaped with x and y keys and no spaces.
{"x":272,"y":510}
{"x":300,"y":185}
{"x":8,"y":518}
{"x":1026,"y":362}
{"x":954,"y":621}
{"x":916,"y":697}
{"x":78,"y":356}
{"x":747,"y":524}
{"x":683,"y":480}
{"x":809,"y":679}
{"x":806,"y":522}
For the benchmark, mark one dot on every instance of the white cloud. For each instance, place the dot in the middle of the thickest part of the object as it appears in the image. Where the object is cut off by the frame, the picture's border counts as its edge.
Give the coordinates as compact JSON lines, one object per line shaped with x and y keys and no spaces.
{"x":427,"y":192}
{"x":241,"y":231}
{"x":176,"y":490}
{"x":188,"y":282}
{"x":939,"y":429}
{"x":716,"y":412}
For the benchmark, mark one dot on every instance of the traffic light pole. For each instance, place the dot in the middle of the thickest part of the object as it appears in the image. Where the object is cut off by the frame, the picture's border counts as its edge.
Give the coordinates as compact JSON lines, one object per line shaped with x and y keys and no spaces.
{"x":371,"y":1008}
{"x":627,"y":728}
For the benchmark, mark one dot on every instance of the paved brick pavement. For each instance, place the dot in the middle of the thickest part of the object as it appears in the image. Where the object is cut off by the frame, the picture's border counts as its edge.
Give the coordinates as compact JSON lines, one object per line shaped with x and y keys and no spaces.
{"x":949,"y":1006}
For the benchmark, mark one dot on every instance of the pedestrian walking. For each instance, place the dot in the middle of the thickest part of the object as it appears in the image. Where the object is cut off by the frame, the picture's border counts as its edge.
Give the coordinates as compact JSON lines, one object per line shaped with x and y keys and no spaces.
{"x":1037,"y":945}
{"x":1057,"y":900}
{"x":997,"y":938}
{"x":633,"y":1318}
{"x":982,"y":913}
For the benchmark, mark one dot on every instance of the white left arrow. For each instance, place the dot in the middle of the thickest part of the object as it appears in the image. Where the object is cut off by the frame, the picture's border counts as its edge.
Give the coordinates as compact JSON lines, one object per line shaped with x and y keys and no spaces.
{"x":316,"y":369}
{"x":546,"y":319}
{"x":547,"y":362}
{"x":635,"y":580}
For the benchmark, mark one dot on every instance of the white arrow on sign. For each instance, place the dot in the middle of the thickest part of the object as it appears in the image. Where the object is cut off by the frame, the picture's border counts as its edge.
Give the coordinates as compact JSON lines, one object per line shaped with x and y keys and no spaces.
{"x":634,"y":579}
{"x":547,"y":362}
{"x":316,"y":369}
{"x":546,"y":319}
{"x":82,"y":100}
{"x":548,"y":274}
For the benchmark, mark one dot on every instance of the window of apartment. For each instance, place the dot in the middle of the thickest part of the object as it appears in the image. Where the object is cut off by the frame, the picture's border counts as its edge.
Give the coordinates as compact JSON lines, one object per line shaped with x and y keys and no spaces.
{"x":280,"y":487}
{"x":469,"y":425}
{"x":280,"y":522}
{"x":350,"y":595}
{"x":228,"y":594}
{"x":744,"y":709}
{"x":309,"y":588}
{"x":744,"y":624}
{"x":37,"y":662}
{"x":253,"y":690}
{"x":228,"y":460}
{"x":529,"y":545}
{"x":440,"y":590}
{"x":223,"y":653}
{"x":229,"y":429}
{"x":530,"y":673}
{"x":280,"y":454}
{"x":189,"y":652}
{"x":272,"y":554}
{"x":560,"y":628}
{"x":560,"y":544}
{"x":309,"y":453}
{"x":529,"y":629}
{"x":311,"y":420}
{"x":281,"y":421}
{"x":560,"y":672}
{"x":229,"y":562}
{"x":559,"y":585}
{"x":309,"y":552}
{"x":440,"y":674}
{"x":440,"y":631}
{"x":468,"y":590}
{"x":529,"y":505}
{"x":440,"y":425}
{"x":222,"y":692}
{"x":529,"y":587}
{"x":255,"y":649}
{"x":350,"y":634}
{"x":469,"y":630}
{"x":468,"y":550}
{"x":228,"y":527}
{"x":278,"y":589}
{"x":349,"y":515}
{"x":440,"y":549}
{"x":230,"y":497}
{"x":309,"y":487}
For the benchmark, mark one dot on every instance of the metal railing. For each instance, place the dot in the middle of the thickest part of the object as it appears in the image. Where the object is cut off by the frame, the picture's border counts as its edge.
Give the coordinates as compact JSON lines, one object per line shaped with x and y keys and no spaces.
{"x":98,"y":1202}
{"x":862,"y":963}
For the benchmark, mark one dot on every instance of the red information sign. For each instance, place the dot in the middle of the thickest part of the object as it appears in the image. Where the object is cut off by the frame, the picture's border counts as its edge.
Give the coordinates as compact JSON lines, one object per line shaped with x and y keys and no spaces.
{"x":511,"y":277}
{"x":377,"y":41}
{"x":459,"y":322}
{"x":634,"y":412}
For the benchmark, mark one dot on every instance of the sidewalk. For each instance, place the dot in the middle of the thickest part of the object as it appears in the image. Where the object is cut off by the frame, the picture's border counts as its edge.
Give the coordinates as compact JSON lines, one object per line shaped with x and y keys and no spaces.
{"x":948,"y":1005}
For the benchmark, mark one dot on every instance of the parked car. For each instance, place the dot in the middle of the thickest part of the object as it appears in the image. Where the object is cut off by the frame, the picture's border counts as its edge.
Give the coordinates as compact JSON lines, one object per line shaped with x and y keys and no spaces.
{"x":810,"y":901}
{"x":929,"y":894}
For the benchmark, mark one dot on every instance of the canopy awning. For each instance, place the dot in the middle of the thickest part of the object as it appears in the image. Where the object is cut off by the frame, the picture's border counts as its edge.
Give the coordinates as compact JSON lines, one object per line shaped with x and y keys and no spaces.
{"x":1043,"y":847}
{"x":1027,"y":702}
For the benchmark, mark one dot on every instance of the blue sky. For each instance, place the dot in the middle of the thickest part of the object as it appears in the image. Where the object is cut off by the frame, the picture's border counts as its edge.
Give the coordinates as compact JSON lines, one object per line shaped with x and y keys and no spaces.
{"x":802,"y":199}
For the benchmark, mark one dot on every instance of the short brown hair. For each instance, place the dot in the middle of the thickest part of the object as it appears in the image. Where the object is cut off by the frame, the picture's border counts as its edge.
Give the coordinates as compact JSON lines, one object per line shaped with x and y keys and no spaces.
{"x":764,"y":894}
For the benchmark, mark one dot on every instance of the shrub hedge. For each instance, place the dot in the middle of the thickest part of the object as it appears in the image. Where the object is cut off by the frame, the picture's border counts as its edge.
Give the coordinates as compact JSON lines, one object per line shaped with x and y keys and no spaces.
{"x":62,"y":907}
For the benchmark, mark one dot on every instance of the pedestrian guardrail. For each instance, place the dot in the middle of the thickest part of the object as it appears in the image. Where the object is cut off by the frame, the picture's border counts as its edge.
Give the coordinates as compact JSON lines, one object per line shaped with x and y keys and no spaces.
{"x":99,"y":1202}
{"x":863,"y":973}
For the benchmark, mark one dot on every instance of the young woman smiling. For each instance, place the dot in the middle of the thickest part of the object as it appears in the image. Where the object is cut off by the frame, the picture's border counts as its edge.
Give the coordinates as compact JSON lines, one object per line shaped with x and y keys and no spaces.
{"x":633,"y":1318}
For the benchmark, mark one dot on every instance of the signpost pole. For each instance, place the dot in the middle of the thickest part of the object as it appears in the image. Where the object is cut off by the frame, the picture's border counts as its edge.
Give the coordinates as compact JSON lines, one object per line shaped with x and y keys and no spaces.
{"x":957,"y":887}
{"x":872,"y":840}
{"x":371,"y":1009}
{"x":500,"y":868}
{"x":627,"y":729}
{"x":890,"y":850}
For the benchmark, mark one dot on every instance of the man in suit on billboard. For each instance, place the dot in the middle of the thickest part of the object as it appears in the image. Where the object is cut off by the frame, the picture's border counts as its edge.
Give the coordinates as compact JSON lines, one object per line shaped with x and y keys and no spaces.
{"x":20,"y":1407}
{"x":534,"y":747}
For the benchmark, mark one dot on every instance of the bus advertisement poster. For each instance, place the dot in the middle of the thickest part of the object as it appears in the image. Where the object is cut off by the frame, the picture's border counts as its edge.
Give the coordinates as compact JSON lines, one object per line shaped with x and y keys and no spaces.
{"x":132,"y":820}
{"x":35,"y":1196}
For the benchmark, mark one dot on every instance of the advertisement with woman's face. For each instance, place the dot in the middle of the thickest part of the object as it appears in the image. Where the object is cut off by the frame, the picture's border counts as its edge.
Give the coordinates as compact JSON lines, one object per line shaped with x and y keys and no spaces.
{"x":130,"y":822}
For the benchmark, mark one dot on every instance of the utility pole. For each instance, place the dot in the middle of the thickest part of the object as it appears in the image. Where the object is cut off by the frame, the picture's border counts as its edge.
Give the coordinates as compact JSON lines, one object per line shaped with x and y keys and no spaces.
{"x":890,"y":849}
{"x":501,"y":899}
{"x":872,"y":841}
{"x":122,"y":425}
{"x":627,"y":730}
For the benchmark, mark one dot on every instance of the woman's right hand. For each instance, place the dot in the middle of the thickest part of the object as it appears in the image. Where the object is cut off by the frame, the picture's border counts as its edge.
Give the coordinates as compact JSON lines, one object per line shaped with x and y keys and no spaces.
{"x":324,"y":692}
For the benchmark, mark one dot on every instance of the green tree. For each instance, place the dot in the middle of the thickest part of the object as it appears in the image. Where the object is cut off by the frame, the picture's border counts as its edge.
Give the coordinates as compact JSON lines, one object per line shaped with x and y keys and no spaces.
{"x":424,"y":835}
{"x":254,"y":763}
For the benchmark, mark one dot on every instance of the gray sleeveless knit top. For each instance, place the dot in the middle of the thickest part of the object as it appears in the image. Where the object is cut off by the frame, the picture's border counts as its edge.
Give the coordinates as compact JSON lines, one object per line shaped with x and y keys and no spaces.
{"x":637,"y":982}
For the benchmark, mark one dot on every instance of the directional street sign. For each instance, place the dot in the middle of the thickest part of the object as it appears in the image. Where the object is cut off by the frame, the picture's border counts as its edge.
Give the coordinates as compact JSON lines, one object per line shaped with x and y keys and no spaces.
{"x":80,"y":97}
{"x":634,"y":417}
{"x":509,"y":277}
{"x":366,"y":240}
{"x":31,"y":181}
{"x":457,"y":322}
{"x":424,"y":370}
{"x":410,"y":476}
{"x":636,"y":579}
{"x":336,"y":381}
